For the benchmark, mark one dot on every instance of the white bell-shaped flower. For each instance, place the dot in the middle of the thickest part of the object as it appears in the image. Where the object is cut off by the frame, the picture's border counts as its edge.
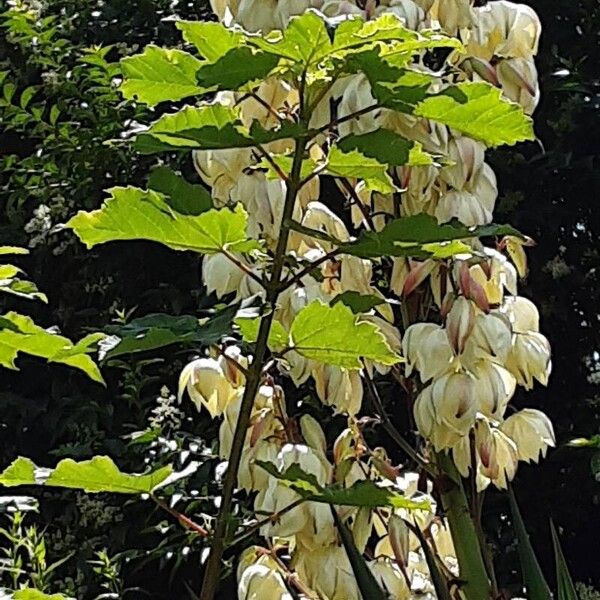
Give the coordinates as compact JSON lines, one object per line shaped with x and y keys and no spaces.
{"x":532,"y":432}
{"x":497,"y":454}
{"x":427,"y":349}
{"x":445,"y":410}
{"x":257,"y":15}
{"x":519,"y":80}
{"x":327,"y":571}
{"x":260,"y":581}
{"x":338,"y":387}
{"x":529,"y":359}
{"x":221,"y":275}
{"x":207,"y":385}
{"x":356,"y":96}
{"x":504,"y":29}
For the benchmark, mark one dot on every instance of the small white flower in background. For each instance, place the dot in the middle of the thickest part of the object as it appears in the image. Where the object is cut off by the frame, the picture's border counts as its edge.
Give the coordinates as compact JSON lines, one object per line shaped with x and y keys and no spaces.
{"x":166,"y":412}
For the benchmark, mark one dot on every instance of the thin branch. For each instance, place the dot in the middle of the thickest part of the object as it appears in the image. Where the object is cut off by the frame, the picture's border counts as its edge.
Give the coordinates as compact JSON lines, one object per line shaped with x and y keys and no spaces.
{"x":391,"y":429}
{"x":280,"y":173}
{"x":308,"y":269}
{"x":344,"y":119}
{"x":262,"y":102}
{"x":183,"y":520}
{"x":365,"y":213}
{"x":245,"y":268}
{"x":270,"y":519}
{"x":230,"y":360}
{"x":214,"y":563}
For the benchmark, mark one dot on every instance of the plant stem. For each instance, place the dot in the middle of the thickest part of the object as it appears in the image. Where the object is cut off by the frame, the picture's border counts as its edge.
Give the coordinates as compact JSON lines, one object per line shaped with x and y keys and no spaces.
{"x":183,"y":520}
{"x":213,"y":566}
{"x":476,"y":585}
{"x":390,"y":427}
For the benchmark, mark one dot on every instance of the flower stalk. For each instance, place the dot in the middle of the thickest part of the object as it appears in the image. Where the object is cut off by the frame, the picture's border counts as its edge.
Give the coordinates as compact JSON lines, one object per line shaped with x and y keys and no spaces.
{"x":273,"y":287}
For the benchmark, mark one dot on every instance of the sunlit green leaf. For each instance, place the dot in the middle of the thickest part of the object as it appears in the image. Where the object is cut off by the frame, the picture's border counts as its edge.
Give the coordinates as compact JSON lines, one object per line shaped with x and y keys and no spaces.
{"x":304,"y":41}
{"x":20,"y":472}
{"x":27,"y":337}
{"x":13,"y":250}
{"x":9,"y":284}
{"x":31,"y":594}
{"x":211,"y":39}
{"x":159,"y":75}
{"x":354,"y":35}
{"x":353,"y":164}
{"x":134,"y":214}
{"x":208,"y":127}
{"x":334,"y":335}
{"x":479,"y":110}
{"x":100,"y":474}
{"x":278,"y":337}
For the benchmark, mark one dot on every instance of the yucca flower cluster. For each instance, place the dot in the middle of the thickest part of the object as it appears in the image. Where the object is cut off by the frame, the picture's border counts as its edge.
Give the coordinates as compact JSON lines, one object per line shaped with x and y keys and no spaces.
{"x":475,"y":341}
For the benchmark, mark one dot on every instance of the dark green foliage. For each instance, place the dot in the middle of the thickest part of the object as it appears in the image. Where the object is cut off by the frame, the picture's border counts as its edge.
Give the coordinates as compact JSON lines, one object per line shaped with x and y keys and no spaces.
{"x":550,"y":190}
{"x":61,"y":121}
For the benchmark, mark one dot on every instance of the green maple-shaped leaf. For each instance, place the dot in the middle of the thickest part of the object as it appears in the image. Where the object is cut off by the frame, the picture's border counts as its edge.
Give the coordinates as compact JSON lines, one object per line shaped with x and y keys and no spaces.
{"x":18,"y":333}
{"x":479,"y":110}
{"x":420,"y":236}
{"x":160,"y":75}
{"x":31,"y":594}
{"x":134,"y":214}
{"x":209,"y":127}
{"x":305,"y":40}
{"x":100,"y":474}
{"x":20,"y":472}
{"x":354,"y":164}
{"x":336,"y":336}
{"x":278,"y":337}
{"x":184,"y":197}
{"x":389,"y":35}
{"x":11,"y":284}
{"x":13,"y":250}
{"x":237,"y":68}
{"x":387,"y":147}
{"x":212,"y":40}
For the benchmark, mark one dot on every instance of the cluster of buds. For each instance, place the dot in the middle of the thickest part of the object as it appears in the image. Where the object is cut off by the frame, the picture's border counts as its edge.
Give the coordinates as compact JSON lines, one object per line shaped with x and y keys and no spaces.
{"x":467,"y":368}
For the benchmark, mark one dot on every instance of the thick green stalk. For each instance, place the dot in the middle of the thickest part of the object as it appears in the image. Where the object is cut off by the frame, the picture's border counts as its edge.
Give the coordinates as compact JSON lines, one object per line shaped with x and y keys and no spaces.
{"x":213,"y":566}
{"x":471,"y":565}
